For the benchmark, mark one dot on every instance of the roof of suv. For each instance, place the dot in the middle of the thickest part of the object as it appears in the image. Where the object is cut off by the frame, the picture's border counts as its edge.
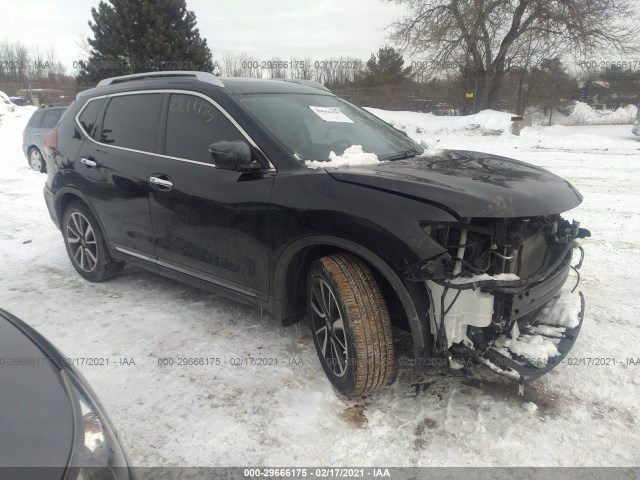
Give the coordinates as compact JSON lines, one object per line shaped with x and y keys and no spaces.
{"x":231,"y":85}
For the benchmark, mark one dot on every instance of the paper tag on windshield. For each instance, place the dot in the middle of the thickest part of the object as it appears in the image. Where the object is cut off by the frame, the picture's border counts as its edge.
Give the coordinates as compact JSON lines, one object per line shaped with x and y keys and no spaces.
{"x":331,"y":114}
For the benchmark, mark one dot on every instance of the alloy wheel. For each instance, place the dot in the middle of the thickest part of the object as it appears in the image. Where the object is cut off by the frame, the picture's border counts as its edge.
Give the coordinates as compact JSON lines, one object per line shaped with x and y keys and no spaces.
{"x":35,"y":160}
{"x":328,"y":327}
{"x":82,"y":242}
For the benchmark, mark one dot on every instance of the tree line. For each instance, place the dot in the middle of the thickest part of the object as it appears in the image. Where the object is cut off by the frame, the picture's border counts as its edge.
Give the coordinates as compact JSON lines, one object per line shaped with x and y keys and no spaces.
{"x":484,"y":52}
{"x":19,"y":62}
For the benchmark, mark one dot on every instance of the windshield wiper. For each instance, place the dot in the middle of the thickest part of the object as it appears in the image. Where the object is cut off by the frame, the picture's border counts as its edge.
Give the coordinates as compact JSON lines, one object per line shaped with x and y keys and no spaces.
{"x":401,"y":155}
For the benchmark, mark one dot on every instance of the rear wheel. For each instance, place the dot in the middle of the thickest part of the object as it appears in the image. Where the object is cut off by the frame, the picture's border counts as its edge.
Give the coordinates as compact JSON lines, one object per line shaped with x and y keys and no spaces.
{"x":86,"y":246}
{"x":350,"y":324}
{"x":36,"y":161}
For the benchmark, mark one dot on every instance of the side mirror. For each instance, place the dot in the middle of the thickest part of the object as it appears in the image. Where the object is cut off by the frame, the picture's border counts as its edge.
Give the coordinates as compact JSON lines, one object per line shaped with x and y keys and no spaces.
{"x":233,"y":155}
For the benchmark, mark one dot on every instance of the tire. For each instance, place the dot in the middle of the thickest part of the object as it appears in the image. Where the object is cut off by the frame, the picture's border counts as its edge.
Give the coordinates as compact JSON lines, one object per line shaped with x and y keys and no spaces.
{"x":86,"y":245}
{"x":361,"y":328}
{"x":36,"y":160}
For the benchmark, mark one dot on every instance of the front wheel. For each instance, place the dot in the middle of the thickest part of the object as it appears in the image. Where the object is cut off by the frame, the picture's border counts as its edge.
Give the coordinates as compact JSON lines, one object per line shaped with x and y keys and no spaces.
{"x":350,"y":324}
{"x":86,"y":244}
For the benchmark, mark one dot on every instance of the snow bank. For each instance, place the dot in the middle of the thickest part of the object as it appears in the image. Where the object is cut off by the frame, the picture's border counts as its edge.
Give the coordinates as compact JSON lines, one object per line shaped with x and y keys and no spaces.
{"x":3,"y":111}
{"x":584,"y":114}
{"x":354,"y":155}
{"x":486,"y":122}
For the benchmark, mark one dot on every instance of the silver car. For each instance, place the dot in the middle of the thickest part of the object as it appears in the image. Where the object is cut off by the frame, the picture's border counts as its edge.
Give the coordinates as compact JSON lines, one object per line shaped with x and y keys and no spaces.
{"x":42,"y":122}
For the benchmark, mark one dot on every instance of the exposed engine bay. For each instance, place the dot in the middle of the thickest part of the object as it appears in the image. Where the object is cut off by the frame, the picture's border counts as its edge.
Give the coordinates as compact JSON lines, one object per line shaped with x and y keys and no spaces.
{"x":488,"y":290}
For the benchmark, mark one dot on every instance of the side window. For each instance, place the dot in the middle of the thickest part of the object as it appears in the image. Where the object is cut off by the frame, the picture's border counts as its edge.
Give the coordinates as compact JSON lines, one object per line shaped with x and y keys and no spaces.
{"x":36,"y":119}
{"x":192,"y":125}
{"x":131,"y":121}
{"x":50,"y":118}
{"x":89,"y":115}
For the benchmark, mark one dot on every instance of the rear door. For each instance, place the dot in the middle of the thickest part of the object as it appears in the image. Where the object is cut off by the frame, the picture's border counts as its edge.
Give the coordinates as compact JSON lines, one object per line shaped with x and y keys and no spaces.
{"x":209,"y":222}
{"x":113,"y":164}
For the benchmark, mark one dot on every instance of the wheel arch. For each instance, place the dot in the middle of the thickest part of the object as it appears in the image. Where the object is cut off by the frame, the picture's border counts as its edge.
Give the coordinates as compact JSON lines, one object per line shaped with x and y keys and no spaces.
{"x":289,"y":285}
{"x":65,"y":196}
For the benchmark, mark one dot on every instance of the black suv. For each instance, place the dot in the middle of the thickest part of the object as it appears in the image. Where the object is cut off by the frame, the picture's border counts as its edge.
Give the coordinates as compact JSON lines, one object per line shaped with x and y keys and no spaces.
{"x":206,"y":180}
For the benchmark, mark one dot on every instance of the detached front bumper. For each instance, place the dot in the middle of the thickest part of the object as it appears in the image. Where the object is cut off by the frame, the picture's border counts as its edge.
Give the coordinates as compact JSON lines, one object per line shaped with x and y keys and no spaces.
{"x":542,"y":347}
{"x":518,"y":328}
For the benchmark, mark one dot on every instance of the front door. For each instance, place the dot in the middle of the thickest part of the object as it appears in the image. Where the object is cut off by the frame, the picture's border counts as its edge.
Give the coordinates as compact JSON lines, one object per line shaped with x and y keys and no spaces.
{"x":207,"y":221}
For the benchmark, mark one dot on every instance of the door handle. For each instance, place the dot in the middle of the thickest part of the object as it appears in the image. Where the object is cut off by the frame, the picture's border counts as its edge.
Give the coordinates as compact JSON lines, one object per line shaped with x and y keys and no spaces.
{"x":161,"y":183}
{"x":88,"y":162}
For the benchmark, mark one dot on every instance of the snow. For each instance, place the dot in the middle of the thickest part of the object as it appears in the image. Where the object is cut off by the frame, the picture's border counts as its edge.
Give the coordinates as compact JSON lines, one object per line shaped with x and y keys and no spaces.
{"x":485,"y":277}
{"x":508,"y":372}
{"x":3,"y":111}
{"x":565,"y":310}
{"x":288,"y":415}
{"x":420,"y":125}
{"x":535,"y":348}
{"x":547,"y":331}
{"x":354,"y":155}
{"x":556,"y":317}
{"x":583,"y":114}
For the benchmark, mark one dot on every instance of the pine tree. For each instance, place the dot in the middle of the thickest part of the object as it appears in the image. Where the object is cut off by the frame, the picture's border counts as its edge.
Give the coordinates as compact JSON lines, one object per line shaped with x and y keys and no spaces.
{"x":387,"y":67}
{"x":132,"y":36}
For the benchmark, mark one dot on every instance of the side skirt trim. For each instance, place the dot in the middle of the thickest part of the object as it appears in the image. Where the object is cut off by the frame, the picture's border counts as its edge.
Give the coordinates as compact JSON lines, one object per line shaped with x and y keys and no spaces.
{"x":186,"y":271}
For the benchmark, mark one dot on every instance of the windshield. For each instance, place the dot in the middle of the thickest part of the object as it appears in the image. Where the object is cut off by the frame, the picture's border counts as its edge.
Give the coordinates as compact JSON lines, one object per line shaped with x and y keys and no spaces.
{"x":313,"y":126}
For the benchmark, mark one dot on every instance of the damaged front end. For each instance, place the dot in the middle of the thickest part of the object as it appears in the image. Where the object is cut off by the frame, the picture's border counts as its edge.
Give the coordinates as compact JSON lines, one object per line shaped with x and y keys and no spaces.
{"x":498,"y":294}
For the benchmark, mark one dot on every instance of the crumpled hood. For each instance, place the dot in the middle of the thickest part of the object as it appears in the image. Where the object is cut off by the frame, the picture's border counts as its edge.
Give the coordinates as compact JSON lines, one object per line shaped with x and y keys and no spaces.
{"x":471,"y":184}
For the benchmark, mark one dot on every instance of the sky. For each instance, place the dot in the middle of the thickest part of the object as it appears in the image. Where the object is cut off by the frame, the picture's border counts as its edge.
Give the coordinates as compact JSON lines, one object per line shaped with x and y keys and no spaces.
{"x":262,"y":29}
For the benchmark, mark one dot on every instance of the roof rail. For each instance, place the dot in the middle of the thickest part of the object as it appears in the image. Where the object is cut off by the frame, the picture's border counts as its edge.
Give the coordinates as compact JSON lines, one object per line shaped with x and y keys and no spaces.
{"x":201,"y":76}
{"x":307,"y":83}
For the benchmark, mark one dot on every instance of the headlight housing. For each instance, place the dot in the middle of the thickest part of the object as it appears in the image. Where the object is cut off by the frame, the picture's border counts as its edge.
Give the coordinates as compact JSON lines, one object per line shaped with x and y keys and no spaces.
{"x":97,"y":453}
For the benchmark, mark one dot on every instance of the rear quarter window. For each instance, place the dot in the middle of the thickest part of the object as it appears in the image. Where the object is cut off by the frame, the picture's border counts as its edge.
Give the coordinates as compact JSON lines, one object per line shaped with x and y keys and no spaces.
{"x":35,"y":120}
{"x":89,"y":116}
{"x":51,"y":117}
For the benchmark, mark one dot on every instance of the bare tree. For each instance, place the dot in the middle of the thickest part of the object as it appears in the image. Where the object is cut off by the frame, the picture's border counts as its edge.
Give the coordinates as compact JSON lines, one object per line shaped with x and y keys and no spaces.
{"x":486,"y":35}
{"x":302,"y":68}
{"x":232,"y":65}
{"x":19,"y":63}
{"x":277,"y":68}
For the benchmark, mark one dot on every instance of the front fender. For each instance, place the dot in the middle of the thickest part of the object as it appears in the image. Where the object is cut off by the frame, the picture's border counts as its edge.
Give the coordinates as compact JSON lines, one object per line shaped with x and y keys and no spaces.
{"x":312,"y":203}
{"x":309,"y":208}
{"x":412,"y":295}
